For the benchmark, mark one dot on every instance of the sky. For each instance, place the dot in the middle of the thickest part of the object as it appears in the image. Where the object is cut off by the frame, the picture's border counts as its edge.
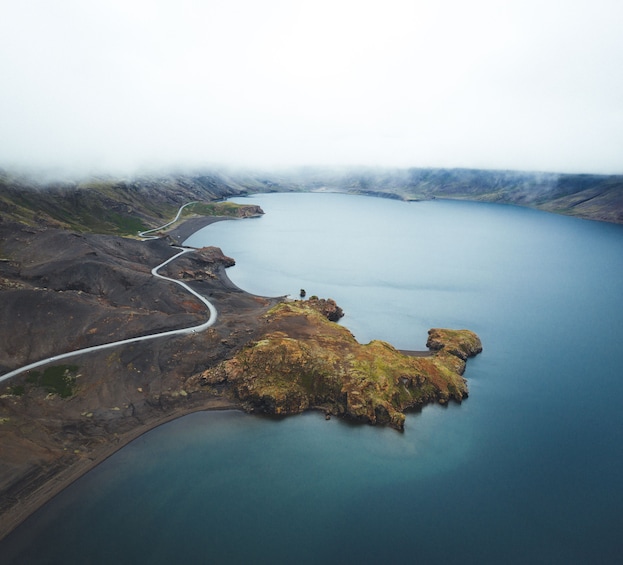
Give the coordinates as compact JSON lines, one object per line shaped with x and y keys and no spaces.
{"x":127,"y":85}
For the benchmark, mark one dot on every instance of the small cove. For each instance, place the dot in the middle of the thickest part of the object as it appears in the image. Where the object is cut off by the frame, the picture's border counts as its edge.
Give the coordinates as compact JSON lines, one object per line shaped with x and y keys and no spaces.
{"x":528,"y":469}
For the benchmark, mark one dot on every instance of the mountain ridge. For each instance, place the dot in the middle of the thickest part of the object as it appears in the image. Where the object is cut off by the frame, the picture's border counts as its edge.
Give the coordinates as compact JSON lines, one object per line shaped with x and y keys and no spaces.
{"x":126,"y":205}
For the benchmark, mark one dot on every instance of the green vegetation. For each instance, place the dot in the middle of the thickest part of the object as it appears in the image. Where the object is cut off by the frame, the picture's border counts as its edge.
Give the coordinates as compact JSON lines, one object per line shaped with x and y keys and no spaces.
{"x":101,"y":206}
{"x":115,"y":206}
{"x":127,"y":224}
{"x":229,"y":209}
{"x":58,"y":379}
{"x":305,"y":361}
{"x":18,"y":390}
{"x":126,"y":206}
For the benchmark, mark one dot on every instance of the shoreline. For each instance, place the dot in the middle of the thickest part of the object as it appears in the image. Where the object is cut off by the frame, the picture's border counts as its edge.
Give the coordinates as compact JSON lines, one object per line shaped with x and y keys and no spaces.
{"x":63,"y":474}
{"x":51,"y":488}
{"x":190,"y":226}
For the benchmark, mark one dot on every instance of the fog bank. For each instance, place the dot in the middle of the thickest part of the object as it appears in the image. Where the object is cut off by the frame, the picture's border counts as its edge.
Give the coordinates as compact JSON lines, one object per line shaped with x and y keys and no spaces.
{"x":125,"y":86}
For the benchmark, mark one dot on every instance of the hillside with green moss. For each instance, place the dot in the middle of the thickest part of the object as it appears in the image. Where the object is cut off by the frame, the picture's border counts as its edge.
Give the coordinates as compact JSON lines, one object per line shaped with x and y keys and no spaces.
{"x":595,"y":197}
{"x":125,"y":206}
{"x":117,"y":206}
{"x":304,"y":361}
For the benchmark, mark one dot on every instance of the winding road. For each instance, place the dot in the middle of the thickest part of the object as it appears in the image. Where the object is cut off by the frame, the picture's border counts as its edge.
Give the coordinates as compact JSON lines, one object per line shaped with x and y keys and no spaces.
{"x":154,"y":272}
{"x":143,"y":235}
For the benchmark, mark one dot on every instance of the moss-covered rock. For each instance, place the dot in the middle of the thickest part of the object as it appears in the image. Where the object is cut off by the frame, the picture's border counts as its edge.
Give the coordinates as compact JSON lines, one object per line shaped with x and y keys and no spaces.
{"x":304,"y":361}
{"x":460,"y":343}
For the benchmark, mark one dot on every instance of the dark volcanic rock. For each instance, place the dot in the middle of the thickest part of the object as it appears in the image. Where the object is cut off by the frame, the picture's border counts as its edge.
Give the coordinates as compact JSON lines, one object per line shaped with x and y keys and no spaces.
{"x":61,"y":291}
{"x":81,"y":290}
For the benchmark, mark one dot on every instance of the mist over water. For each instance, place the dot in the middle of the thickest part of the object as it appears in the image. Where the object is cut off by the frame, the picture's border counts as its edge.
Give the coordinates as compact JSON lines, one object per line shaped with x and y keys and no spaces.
{"x":526,"y":470}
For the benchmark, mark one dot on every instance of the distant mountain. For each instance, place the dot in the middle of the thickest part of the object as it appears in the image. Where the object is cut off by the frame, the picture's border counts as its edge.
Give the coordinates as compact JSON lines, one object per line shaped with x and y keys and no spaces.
{"x":127,"y":205}
{"x":596,"y":197}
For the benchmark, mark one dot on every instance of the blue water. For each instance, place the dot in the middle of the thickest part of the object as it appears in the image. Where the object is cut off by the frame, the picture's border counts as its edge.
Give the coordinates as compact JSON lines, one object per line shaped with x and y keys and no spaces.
{"x":529,"y":469}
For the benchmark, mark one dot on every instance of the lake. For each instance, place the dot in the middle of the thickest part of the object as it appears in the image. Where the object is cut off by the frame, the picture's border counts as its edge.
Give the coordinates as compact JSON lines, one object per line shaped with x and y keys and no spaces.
{"x":528,"y":469}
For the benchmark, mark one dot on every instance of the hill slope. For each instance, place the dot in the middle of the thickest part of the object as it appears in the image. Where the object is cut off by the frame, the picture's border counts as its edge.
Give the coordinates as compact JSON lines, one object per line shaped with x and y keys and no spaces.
{"x":128,"y":205}
{"x":595,"y":197}
{"x":109,"y":205}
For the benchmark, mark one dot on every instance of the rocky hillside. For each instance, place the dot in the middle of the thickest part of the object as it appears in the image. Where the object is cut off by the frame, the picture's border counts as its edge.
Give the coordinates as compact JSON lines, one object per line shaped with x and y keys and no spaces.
{"x":596,"y":197}
{"x":115,"y":206}
{"x":63,"y":291}
{"x":125,"y":206}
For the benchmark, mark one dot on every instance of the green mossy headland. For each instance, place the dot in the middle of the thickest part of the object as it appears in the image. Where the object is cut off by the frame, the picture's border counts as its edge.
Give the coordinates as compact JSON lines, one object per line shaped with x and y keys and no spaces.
{"x":304,"y":361}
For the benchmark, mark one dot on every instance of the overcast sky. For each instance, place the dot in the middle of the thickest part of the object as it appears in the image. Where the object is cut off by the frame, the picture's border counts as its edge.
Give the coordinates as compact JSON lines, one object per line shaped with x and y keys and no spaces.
{"x":519,"y":84}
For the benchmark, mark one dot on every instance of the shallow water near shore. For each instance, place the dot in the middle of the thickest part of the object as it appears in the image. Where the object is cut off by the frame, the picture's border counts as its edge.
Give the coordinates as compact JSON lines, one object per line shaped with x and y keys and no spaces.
{"x":529,"y":469}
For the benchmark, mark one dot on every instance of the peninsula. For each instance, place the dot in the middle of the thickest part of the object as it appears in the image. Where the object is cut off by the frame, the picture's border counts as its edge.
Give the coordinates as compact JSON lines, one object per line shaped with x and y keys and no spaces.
{"x":65,"y":291}
{"x":75,"y":275}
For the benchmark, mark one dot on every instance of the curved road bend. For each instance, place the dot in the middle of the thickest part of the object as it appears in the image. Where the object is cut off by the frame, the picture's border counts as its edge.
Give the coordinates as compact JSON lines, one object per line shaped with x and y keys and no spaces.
{"x":154,"y":272}
{"x":177,"y":217}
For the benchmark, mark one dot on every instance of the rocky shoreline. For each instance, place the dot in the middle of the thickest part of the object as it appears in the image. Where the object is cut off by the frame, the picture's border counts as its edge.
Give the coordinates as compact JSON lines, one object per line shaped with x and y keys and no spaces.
{"x":303,"y":361}
{"x":70,"y":290}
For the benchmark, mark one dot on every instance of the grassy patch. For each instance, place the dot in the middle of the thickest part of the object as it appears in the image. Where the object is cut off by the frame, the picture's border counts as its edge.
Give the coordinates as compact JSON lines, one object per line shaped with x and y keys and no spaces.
{"x":18,"y":390}
{"x":127,"y":224}
{"x":58,"y":379}
{"x":216,"y":209}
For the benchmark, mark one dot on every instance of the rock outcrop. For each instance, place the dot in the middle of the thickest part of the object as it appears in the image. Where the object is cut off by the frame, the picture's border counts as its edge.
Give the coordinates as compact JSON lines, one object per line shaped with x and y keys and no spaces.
{"x":327,"y":307}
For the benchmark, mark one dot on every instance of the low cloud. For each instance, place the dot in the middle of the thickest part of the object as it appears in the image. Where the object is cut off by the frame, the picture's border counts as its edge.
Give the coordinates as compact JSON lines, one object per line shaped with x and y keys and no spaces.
{"x":122,"y":86}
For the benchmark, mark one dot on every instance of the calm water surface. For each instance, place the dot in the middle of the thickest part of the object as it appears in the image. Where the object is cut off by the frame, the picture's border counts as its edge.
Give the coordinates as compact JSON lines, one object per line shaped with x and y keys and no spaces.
{"x":529,"y":469}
